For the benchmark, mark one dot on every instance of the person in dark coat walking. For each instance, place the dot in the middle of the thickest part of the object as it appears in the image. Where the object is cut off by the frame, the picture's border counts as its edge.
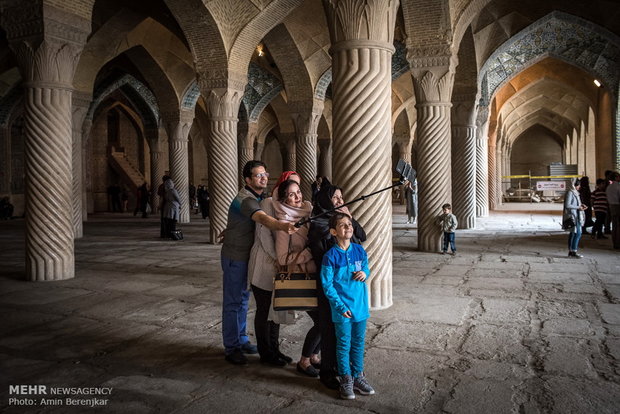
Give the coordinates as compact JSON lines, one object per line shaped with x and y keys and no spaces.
{"x":142,"y":196}
{"x":320,"y":241}
{"x":172,"y":207}
{"x":585,"y":194}
{"x":161,"y":192}
{"x":203,"y":201}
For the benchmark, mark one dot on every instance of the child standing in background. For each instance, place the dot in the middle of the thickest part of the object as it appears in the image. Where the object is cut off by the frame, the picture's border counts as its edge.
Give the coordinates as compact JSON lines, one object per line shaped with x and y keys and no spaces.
{"x":448,"y":224}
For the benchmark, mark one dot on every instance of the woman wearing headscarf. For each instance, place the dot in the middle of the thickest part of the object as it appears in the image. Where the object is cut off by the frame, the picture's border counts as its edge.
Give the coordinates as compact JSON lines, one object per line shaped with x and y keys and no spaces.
{"x":292,"y":250}
{"x":262,"y":268}
{"x":172,"y":207}
{"x":320,"y":241}
{"x":573,"y":209}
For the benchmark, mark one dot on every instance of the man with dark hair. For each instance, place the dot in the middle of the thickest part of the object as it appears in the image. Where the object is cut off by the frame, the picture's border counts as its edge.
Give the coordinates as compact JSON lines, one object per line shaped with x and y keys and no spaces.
{"x":613,"y":198}
{"x":243,"y":212}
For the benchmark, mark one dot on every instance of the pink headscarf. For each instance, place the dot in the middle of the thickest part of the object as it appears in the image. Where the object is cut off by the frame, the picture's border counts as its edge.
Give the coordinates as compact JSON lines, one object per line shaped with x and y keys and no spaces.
{"x":283,"y":177}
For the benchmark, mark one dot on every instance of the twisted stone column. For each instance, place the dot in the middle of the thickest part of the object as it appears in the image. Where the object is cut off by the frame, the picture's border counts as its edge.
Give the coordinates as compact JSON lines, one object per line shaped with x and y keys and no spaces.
{"x":325,"y":158}
{"x":158,"y":169}
{"x":433,"y":79}
{"x":48,"y":72}
{"x":306,"y":123}
{"x":464,"y":175}
{"x":5,"y":158}
{"x":260,"y":146}
{"x":361,"y":79}
{"x":290,"y":160}
{"x":81,"y":103}
{"x":404,"y":151}
{"x":246,"y":148}
{"x":482,"y":163}
{"x":492,"y":175}
{"x":86,"y":172}
{"x":222,"y":107}
{"x":178,"y":126}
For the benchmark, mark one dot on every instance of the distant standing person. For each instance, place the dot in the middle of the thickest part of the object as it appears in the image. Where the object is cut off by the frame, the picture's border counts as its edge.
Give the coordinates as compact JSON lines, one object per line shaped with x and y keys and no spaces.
{"x":192,"y":197}
{"x":411,"y":196}
{"x":243,"y":212}
{"x":142,"y":199}
{"x":448,"y":223}
{"x":613,"y":198}
{"x":172,"y":207}
{"x":574,"y":208}
{"x":115,"y":193}
{"x":316,"y":186}
{"x":585,"y":194}
{"x":203,"y":201}
{"x":161,"y":192}
{"x":125,"y":199}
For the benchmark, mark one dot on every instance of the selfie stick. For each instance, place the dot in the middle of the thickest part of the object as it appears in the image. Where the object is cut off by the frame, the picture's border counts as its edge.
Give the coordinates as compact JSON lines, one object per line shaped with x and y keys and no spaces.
{"x":407,"y":173}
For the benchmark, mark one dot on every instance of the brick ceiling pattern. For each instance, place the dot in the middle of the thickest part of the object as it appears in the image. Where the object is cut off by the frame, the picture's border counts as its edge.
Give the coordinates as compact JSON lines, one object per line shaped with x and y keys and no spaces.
{"x":559,"y":35}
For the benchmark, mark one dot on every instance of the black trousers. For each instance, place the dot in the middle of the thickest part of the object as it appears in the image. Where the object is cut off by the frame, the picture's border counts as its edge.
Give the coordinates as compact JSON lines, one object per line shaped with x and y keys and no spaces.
{"x":312,"y":343}
{"x":329,"y":364}
{"x":601,"y":216}
{"x":162,"y":227}
{"x":267,"y":332}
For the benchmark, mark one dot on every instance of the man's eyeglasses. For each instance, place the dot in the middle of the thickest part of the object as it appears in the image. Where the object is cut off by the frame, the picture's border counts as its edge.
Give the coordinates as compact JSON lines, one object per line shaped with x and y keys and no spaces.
{"x":261,"y":175}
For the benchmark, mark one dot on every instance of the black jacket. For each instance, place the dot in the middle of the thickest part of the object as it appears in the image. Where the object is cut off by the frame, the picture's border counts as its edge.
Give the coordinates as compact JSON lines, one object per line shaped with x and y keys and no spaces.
{"x":319,"y":238}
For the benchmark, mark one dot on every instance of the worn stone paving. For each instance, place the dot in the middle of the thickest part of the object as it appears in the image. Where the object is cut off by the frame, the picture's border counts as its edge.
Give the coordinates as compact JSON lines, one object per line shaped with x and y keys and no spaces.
{"x":509,"y":325}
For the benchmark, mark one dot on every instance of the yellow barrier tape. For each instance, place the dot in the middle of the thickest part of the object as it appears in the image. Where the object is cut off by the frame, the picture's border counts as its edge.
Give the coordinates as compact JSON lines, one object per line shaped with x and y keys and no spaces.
{"x":541,"y":176}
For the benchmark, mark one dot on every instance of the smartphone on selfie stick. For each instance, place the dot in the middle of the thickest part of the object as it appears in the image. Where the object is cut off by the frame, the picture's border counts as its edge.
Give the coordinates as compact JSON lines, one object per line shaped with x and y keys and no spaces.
{"x":403,"y":168}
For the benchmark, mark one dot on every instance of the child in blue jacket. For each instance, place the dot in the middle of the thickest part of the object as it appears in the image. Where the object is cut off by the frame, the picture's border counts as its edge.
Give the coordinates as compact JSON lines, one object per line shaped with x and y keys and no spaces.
{"x":343,"y":273}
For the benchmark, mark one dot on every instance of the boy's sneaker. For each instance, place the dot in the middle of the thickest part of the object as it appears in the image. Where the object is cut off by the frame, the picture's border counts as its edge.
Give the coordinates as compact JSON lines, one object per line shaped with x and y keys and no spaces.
{"x":346,"y":387}
{"x":362,"y":386}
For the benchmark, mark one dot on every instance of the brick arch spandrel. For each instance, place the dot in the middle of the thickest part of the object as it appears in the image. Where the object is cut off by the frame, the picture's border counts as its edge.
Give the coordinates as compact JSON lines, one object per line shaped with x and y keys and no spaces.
{"x":282,"y":113}
{"x":157,"y":78}
{"x":123,"y":32}
{"x":256,"y":29}
{"x":202,"y":33}
{"x":286,"y":55}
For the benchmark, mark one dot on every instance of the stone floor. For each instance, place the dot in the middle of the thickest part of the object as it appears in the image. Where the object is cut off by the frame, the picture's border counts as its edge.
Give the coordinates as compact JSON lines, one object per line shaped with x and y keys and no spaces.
{"x":509,"y":325}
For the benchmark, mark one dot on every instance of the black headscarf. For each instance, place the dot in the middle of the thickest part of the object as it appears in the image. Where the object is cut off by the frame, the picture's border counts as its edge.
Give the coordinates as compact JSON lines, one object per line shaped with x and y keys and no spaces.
{"x":319,"y":238}
{"x":324,"y":197}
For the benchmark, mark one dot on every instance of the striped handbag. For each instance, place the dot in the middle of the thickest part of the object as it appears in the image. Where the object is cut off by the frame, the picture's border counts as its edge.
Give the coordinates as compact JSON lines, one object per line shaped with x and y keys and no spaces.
{"x":294,"y":288}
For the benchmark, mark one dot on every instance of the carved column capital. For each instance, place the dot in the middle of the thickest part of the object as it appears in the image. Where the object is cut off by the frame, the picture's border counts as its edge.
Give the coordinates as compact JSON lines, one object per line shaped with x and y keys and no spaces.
{"x":463,"y":113}
{"x":361,"y":20}
{"x":433,"y":86}
{"x":223,"y":104}
{"x":47,"y":42}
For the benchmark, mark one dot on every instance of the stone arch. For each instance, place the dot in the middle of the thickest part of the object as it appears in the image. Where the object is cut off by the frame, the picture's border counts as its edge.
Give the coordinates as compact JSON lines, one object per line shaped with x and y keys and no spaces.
{"x":135,"y":91}
{"x":281,"y":111}
{"x":202,"y":32}
{"x":11,"y":103}
{"x":287,"y":57}
{"x":320,"y":91}
{"x":190,"y":95}
{"x":558,"y":35}
{"x":563,"y":100}
{"x":257,"y":28}
{"x":550,"y":148}
{"x":123,"y":32}
{"x":157,"y":79}
{"x":261,"y":89}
